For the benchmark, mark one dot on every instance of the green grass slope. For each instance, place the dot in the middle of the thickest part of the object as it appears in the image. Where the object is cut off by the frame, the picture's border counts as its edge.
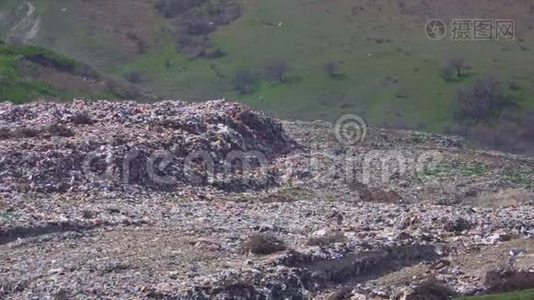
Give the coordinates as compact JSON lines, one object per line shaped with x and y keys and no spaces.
{"x":14,"y":87}
{"x":389,"y":70}
{"x":32,"y":72}
{"x":521,"y":295}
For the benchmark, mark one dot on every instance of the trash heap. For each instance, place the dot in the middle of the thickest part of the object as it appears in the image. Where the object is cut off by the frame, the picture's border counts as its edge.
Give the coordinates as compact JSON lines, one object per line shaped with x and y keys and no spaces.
{"x":104,"y":145}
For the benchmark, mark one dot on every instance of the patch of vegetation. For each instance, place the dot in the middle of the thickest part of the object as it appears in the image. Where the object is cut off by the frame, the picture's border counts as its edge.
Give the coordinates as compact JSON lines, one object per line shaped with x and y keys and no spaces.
{"x":483,"y":100}
{"x":39,"y":55}
{"x":16,"y":88}
{"x":420,"y":137}
{"x":263,"y":243}
{"x":82,"y":118}
{"x":333,"y":70}
{"x":245,"y":81}
{"x":520,"y":295}
{"x":359,"y":44}
{"x":462,"y":169}
{"x":455,"y":69}
{"x":522,"y":178}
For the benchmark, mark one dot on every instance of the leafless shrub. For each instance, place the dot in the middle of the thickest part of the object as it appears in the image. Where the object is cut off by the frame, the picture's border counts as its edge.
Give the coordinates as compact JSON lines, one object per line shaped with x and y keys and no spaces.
{"x":454,"y":68}
{"x":82,"y":118}
{"x":514,"y":86}
{"x":213,"y":52}
{"x":333,"y":70}
{"x":448,"y":72}
{"x":482,"y":99}
{"x":142,"y":47}
{"x":263,"y":243}
{"x":275,"y":70}
{"x":223,"y":12}
{"x":512,"y":133}
{"x":133,"y":76}
{"x":192,"y":46}
{"x":199,"y":27}
{"x":244,"y":81}
{"x":172,"y":8}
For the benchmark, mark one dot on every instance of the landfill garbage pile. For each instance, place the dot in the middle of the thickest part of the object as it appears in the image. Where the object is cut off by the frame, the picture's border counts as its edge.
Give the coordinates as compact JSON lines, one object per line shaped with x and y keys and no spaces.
{"x":81,"y":146}
{"x":171,"y":200}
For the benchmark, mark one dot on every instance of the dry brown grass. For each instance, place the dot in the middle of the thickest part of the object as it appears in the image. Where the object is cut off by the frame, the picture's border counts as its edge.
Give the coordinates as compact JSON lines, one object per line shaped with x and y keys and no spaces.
{"x":263,"y":243}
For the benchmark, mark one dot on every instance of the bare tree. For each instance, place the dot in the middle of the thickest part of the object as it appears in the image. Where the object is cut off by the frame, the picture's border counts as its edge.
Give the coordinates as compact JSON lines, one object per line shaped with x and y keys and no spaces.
{"x":244,"y":81}
{"x":275,"y":70}
{"x":172,"y":8}
{"x":448,"y":72}
{"x":332,"y":69}
{"x":134,"y":76}
{"x":457,"y":64}
{"x":482,"y":99}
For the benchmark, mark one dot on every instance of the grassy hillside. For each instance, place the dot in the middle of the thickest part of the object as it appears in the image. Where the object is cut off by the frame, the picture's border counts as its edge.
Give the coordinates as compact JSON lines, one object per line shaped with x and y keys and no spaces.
{"x":32,"y":72}
{"x":16,"y":87}
{"x":523,"y":295}
{"x":386,"y":68}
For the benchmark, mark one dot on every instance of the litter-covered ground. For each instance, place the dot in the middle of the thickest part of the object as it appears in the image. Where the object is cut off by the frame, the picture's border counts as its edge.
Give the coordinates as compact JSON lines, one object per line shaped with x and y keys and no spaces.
{"x":212,"y":200}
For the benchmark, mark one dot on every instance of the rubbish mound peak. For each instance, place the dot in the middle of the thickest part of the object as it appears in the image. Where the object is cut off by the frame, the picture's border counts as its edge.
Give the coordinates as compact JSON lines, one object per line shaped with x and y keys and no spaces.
{"x":77,"y":146}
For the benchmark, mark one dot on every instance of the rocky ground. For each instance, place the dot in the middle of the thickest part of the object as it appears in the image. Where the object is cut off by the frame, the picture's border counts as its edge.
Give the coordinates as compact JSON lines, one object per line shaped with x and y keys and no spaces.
{"x":212,"y":200}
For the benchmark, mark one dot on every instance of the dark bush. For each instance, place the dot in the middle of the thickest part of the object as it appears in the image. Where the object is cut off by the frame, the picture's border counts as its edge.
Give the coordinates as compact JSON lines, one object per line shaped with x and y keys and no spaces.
{"x":448,"y":72}
{"x":142,"y":46}
{"x":263,"y":243}
{"x":275,"y":70}
{"x":333,"y":70}
{"x":482,"y":100}
{"x":82,"y":118}
{"x":192,"y":46}
{"x":199,"y":27}
{"x":173,"y":8}
{"x":133,"y":76}
{"x":244,"y":81}
{"x":223,"y":13}
{"x":454,"y":68}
